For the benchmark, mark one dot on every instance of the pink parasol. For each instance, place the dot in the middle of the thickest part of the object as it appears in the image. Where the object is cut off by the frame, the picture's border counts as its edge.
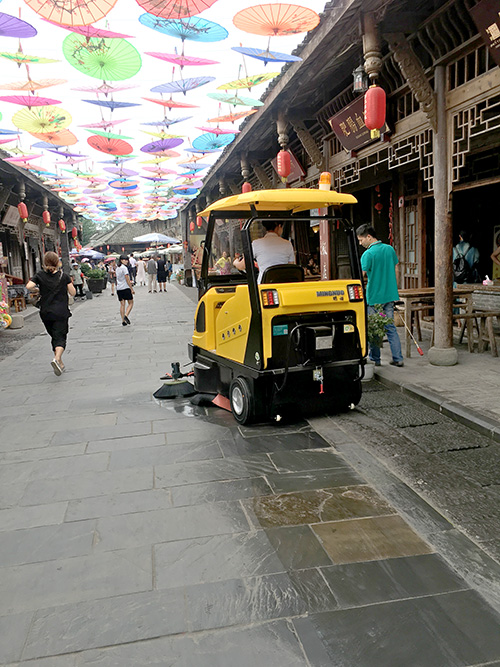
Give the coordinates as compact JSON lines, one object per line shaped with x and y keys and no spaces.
{"x":78,"y":13}
{"x":181,"y":60}
{"x":29,"y":100}
{"x":175,"y":9}
{"x":160,"y":170}
{"x":7,"y":141}
{"x":91,"y":31}
{"x":105,"y":88}
{"x":217,"y":130}
{"x":22,"y":158}
{"x":172,"y":104}
{"x":106,"y":123}
{"x":120,"y":171}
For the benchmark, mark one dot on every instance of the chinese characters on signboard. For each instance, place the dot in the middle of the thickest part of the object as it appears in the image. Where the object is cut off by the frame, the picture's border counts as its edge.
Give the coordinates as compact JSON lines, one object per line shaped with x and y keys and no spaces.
{"x":486,"y":15}
{"x":349,"y":126}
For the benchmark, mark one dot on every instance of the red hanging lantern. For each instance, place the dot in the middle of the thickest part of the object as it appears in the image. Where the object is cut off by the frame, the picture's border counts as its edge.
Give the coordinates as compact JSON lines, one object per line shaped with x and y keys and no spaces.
{"x":185,"y":245}
{"x":284,"y":164}
{"x":62,"y":225}
{"x":74,"y":232}
{"x":199,"y":221}
{"x":46,"y":218}
{"x":246,"y":187}
{"x":191,"y":226}
{"x":23,"y":211}
{"x":375,"y":107}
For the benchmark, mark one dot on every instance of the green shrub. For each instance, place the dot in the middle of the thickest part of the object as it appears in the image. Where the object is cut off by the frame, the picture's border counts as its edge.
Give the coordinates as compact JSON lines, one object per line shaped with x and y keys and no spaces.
{"x":96,"y":274}
{"x":85,"y":267}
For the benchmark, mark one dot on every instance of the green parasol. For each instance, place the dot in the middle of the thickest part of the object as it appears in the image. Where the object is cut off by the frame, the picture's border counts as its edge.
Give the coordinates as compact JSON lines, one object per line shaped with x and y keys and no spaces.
{"x":108,"y":135}
{"x":248,"y":81}
{"x":106,"y":59}
{"x":235,"y":100}
{"x":22,"y":58}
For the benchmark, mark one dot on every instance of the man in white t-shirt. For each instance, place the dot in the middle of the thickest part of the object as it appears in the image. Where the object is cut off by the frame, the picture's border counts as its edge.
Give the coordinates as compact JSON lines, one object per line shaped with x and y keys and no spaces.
{"x":132,"y":264}
{"x":124,"y":289}
{"x":270,"y":250}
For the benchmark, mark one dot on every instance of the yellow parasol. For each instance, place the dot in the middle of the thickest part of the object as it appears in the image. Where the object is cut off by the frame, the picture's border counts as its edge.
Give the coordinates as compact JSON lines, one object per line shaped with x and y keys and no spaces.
{"x":42,"y":119}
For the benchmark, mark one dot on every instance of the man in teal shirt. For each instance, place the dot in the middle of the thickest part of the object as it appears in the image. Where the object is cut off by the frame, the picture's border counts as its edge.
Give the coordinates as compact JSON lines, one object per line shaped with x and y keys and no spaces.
{"x":379,"y":263}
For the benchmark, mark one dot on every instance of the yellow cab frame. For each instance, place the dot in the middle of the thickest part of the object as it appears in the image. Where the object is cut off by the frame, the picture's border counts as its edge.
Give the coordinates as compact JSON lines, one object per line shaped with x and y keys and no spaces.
{"x":281,"y":346}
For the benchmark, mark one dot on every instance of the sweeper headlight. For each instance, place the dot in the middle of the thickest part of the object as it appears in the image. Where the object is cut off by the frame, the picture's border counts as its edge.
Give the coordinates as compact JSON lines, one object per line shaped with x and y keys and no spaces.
{"x":270,"y":298}
{"x":355,"y":292}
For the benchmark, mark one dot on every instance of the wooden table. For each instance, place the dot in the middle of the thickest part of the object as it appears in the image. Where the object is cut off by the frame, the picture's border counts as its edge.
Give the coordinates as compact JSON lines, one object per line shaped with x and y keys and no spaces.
{"x":422,"y":298}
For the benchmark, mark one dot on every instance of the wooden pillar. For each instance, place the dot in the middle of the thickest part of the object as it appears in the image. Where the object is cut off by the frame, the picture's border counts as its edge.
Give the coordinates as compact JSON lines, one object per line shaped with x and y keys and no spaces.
{"x":442,"y":353}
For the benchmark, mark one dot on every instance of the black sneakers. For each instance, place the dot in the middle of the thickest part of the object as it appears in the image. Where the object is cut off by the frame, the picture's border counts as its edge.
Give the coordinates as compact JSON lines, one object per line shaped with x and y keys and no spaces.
{"x":126,"y":320}
{"x":399,"y":364}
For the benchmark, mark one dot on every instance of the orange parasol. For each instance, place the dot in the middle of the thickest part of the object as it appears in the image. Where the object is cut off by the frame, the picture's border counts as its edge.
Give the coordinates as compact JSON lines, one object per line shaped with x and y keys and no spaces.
{"x":32,"y":85}
{"x":230,"y":118}
{"x":72,"y":12}
{"x":171,"y":104}
{"x":62,"y":138}
{"x":276,"y":19}
{"x":110,"y":146}
{"x":175,"y":9}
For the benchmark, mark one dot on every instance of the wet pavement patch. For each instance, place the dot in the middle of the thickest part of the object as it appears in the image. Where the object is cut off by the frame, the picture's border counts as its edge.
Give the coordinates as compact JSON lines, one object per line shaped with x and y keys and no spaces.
{"x":370,"y":539}
{"x":446,"y":436}
{"x":280,"y":442}
{"x":479,"y":465}
{"x":446,"y":631}
{"x":310,"y":507}
{"x":314,"y":479}
{"x":411,"y":414}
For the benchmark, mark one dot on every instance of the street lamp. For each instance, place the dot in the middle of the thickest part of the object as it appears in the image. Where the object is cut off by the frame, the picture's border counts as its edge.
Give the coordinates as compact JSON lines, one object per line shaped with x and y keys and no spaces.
{"x":360,"y":84}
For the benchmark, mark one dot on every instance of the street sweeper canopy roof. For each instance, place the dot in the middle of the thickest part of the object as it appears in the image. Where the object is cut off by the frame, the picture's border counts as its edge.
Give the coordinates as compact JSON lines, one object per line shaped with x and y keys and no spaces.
{"x":289,"y":200}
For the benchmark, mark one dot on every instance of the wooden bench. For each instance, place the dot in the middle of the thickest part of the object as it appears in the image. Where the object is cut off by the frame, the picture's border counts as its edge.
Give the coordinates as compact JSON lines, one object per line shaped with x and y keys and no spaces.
{"x":18,"y":303}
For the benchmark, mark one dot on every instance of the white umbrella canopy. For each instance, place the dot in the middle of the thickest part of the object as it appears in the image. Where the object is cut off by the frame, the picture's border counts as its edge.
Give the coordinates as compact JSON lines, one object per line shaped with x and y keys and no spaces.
{"x":174,"y":250}
{"x":155,"y":238}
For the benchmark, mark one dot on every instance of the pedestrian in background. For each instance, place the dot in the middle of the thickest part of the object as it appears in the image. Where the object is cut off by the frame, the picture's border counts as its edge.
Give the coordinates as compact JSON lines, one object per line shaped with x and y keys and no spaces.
{"x":111,"y":267}
{"x":379,"y":263}
{"x":132,"y":267}
{"x":161,"y":274}
{"x":169,"y":270}
{"x":141,"y":272}
{"x":124,"y":289}
{"x":54,"y":286}
{"x":76,"y":277}
{"x":152,"y":270}
{"x":465,"y":261}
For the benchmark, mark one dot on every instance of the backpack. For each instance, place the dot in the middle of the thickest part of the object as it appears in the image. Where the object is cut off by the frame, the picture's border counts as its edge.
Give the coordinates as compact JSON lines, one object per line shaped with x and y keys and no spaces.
{"x":461,"y":269}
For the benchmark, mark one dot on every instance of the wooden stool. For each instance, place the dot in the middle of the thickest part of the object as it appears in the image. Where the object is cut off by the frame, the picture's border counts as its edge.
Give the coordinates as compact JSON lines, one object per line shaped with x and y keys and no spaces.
{"x":19,"y":303}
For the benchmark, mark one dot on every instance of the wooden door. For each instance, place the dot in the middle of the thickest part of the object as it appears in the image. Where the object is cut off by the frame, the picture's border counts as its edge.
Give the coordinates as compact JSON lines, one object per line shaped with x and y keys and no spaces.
{"x":411,"y":260}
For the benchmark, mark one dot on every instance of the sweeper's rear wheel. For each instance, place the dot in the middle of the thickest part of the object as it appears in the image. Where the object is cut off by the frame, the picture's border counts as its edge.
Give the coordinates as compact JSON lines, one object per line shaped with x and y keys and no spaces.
{"x":241,"y":399}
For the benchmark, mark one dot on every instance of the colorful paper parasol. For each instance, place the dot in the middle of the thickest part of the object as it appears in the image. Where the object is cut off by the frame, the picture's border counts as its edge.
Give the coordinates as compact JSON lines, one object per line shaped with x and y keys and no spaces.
{"x":181,"y":60}
{"x":193,"y":28}
{"x":10,"y":26}
{"x":171,"y":104}
{"x":162,"y":145}
{"x":183,"y":85}
{"x":175,"y":9}
{"x":106,"y":59}
{"x":105,"y":88}
{"x":167,"y":122}
{"x":22,"y":58}
{"x":248,"y":81}
{"x":32,"y":85}
{"x":212,"y":141}
{"x":91,"y":31}
{"x":110,"y":146}
{"x":111,"y":104}
{"x":276,"y":20}
{"x":231,"y":117}
{"x":217,"y":130}
{"x":265,"y":55}
{"x":106,"y":123}
{"x":29,"y":100}
{"x":120,"y":171}
{"x":42,"y":119}
{"x":235,"y":100}
{"x":108,"y":135}
{"x":72,"y":12}
{"x":62,"y":138}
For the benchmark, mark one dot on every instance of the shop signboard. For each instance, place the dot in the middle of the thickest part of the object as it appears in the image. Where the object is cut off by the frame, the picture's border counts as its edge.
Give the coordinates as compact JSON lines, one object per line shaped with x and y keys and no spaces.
{"x":349,"y":126}
{"x":11,"y":217}
{"x":486,"y":17}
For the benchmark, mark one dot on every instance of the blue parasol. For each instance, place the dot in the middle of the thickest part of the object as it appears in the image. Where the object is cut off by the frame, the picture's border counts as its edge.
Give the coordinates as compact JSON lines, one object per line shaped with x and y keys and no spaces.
{"x":193,"y":28}
{"x":266,"y":55}
{"x":10,"y":132}
{"x":111,"y":104}
{"x":183,"y":85}
{"x":167,"y":122}
{"x":198,"y":166}
{"x":209,"y":140}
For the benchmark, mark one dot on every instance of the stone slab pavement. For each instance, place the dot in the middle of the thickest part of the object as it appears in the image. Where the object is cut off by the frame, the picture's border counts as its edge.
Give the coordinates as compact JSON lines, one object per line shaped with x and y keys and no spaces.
{"x":135,"y":532}
{"x":469,"y":391}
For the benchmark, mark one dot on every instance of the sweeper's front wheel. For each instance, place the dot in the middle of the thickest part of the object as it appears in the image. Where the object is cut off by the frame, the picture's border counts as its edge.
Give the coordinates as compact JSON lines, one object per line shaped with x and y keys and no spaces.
{"x":242,"y":401}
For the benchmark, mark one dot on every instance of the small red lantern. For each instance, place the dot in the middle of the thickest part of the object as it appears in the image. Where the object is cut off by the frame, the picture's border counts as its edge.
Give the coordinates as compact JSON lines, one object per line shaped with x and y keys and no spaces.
{"x":191,"y":226}
{"x":199,"y":221}
{"x":378,"y":207}
{"x":185,"y":245}
{"x":284,"y":164}
{"x":246,"y":187}
{"x":74,"y":232}
{"x":46,"y":218}
{"x":375,"y":107}
{"x":23,"y":211}
{"x":62,"y":225}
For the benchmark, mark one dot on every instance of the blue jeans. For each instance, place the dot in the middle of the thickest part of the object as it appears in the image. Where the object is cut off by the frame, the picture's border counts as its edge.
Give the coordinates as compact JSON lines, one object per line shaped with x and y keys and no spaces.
{"x":392,"y":335}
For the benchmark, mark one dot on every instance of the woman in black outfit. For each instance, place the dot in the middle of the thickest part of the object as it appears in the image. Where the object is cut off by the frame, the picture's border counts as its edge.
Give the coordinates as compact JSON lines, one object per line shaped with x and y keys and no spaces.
{"x":54,"y":286}
{"x":161,"y":274}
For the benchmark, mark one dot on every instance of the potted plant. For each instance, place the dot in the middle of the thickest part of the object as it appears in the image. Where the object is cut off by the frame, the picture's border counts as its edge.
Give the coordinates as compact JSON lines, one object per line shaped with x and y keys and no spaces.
{"x":95,"y":280}
{"x":376,"y":323}
{"x":180,"y":276}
